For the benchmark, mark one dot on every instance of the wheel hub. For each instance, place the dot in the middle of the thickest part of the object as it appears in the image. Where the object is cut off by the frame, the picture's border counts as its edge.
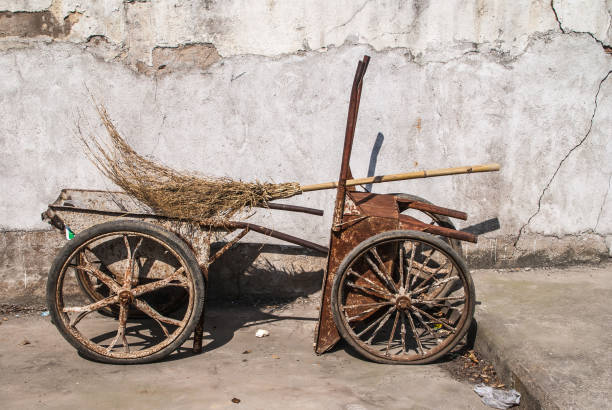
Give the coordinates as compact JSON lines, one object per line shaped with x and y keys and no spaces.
{"x":126,"y":297}
{"x":403,"y":302}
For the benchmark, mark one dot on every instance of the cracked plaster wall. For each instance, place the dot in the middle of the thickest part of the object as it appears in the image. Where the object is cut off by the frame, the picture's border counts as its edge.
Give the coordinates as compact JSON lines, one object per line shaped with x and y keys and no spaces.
{"x":260,"y":90}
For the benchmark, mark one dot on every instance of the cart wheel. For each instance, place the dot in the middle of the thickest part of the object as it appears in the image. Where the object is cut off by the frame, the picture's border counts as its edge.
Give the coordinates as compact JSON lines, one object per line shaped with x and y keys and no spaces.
{"x":386,"y":299}
{"x":165,"y":301}
{"x":150,"y":262}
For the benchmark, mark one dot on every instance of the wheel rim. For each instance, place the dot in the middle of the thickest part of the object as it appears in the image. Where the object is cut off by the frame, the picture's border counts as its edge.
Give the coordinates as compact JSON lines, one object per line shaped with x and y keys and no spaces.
{"x":132,"y":276}
{"x":391,"y":301}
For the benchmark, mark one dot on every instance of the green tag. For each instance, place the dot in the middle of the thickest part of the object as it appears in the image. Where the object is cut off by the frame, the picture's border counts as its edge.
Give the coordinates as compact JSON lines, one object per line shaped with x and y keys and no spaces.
{"x":69,"y":233}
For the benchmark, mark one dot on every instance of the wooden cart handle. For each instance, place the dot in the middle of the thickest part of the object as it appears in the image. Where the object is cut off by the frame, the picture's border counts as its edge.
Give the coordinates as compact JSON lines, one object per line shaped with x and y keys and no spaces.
{"x":410,"y":175}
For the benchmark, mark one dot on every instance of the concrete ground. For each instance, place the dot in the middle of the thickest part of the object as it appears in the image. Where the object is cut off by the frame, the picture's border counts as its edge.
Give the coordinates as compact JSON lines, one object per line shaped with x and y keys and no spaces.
{"x":280,"y":372}
{"x":548,"y":331}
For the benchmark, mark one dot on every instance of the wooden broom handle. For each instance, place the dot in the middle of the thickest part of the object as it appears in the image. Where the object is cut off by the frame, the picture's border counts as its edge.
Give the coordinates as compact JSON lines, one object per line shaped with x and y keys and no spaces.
{"x":401,"y":177}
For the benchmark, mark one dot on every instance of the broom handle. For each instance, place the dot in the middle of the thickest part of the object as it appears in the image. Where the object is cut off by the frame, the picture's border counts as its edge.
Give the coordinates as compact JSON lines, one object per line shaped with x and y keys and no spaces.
{"x":401,"y":177}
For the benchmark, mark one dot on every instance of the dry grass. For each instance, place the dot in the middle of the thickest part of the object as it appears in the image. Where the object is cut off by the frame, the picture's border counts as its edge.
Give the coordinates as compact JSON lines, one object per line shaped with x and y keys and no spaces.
{"x":177,"y":194}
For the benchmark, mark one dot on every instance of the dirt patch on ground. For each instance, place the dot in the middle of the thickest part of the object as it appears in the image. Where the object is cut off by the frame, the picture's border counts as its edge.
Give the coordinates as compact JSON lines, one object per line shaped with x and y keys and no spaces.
{"x":469,"y":366}
{"x":19,"y":309}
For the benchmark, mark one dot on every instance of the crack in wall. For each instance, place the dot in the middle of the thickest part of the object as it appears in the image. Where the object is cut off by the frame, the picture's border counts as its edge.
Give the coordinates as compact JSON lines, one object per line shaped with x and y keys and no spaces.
{"x":605,"y":47}
{"x":603,"y":204}
{"x":582,"y":140}
{"x":359,"y":10}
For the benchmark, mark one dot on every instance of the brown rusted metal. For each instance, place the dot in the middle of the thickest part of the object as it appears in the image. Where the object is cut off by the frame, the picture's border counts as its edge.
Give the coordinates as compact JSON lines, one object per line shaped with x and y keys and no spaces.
{"x":351,"y":122}
{"x":422,"y":206}
{"x":341,"y":243}
{"x":278,"y":235}
{"x":294,"y":208}
{"x":410,"y":223}
{"x":381,"y":205}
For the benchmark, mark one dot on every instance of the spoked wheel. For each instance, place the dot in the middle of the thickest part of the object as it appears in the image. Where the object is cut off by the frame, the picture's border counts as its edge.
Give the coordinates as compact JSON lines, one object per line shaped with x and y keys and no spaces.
{"x":387,"y":303}
{"x":165,"y":300}
{"x":127,"y":278}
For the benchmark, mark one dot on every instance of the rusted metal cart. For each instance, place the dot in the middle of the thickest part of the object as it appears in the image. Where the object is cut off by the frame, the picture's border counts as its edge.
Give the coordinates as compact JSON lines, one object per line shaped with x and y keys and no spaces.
{"x":130,"y":286}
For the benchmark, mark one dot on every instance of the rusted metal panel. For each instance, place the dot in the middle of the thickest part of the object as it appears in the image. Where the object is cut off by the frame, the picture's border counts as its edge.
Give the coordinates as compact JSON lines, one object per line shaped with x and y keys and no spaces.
{"x":341,"y":243}
{"x":384,"y":206}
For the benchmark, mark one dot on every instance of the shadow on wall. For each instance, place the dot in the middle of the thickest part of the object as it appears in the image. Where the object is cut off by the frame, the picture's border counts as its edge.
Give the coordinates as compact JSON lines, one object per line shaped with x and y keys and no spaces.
{"x":265,"y":270}
{"x":374,"y":158}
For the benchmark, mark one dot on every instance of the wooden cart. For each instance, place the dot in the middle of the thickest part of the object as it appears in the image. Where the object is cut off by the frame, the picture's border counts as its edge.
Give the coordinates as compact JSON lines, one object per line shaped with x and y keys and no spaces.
{"x":130,"y":286}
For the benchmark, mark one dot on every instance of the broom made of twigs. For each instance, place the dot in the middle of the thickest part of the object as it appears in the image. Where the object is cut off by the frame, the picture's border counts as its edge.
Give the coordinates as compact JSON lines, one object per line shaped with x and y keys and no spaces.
{"x":197,"y":198}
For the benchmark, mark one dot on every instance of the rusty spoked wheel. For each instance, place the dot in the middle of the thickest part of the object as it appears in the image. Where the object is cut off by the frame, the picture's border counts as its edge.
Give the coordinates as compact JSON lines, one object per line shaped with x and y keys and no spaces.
{"x":136,"y":262}
{"x":386,"y":298}
{"x":165,"y":300}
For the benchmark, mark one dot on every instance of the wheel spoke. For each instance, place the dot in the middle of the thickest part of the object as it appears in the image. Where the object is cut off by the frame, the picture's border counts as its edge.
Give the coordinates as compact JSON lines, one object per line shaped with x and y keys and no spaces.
{"x":403,"y":332}
{"x":430,"y":303}
{"x":352,"y":272}
{"x":129,"y":274}
{"x":374,"y":323}
{"x":150,"y":311}
{"x":414,"y":332}
{"x":392,"y":333}
{"x":150,"y":287}
{"x":381,"y":273}
{"x":435,"y":320}
{"x":412,"y":253}
{"x":422,"y":266}
{"x":433,"y":274}
{"x":401,"y":266}
{"x":79,"y":318}
{"x":372,"y":292}
{"x":107,"y":280}
{"x":433,"y":285}
{"x":93,"y":306}
{"x":448,"y":298}
{"x":127,"y":247}
{"x":386,"y":317}
{"x":123,"y":314}
{"x":427,"y":328}
{"x":367,"y":305}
